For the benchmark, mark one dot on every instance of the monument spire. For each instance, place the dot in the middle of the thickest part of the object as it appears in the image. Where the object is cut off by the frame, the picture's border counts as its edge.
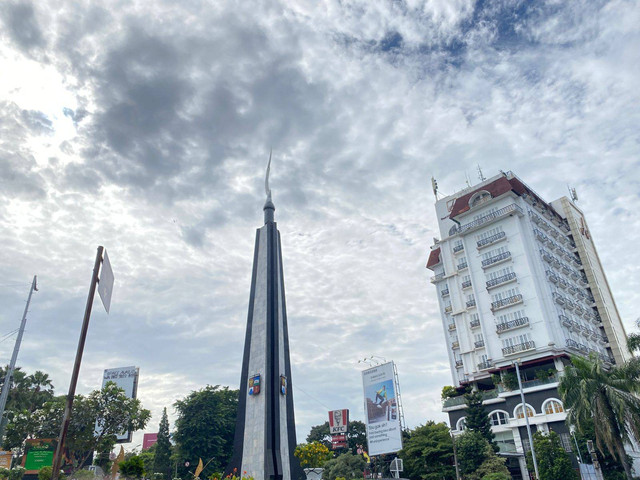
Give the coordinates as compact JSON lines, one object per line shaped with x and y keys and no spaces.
{"x":265,"y":436}
{"x":269,"y":208}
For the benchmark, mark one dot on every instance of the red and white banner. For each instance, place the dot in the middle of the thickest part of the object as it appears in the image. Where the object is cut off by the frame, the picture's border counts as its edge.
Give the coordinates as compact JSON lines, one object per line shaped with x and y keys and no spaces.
{"x":338,"y":421}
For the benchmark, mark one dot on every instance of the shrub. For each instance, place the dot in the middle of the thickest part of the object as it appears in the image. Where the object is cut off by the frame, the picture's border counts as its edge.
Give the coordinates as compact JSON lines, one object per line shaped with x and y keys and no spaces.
{"x":16,"y":473}
{"x":45,"y":473}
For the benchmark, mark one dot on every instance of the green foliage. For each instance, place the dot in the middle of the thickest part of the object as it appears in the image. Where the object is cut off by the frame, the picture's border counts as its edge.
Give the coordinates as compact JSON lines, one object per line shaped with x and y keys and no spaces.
{"x":544,"y":373}
{"x":132,"y":467}
{"x":553,"y":461}
{"x":205,"y":427}
{"x":356,"y":435}
{"x":471,"y":451}
{"x":4,"y":473}
{"x":428,"y":453}
{"x":477,"y":420}
{"x":347,"y":465}
{"x":162,"y":460}
{"x":510,"y":381}
{"x":449,"y":392}
{"x":82,"y":475}
{"x":492,"y":465}
{"x":496,"y":476}
{"x":312,"y":455}
{"x":45,"y":473}
{"x":611,"y":468}
{"x":16,"y":473}
{"x":148,"y":456}
{"x":606,"y":399}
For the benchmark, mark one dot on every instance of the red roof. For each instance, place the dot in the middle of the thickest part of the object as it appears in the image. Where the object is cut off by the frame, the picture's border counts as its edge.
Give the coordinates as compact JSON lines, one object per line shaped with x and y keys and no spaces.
{"x":496,"y":188}
{"x":434,"y":258}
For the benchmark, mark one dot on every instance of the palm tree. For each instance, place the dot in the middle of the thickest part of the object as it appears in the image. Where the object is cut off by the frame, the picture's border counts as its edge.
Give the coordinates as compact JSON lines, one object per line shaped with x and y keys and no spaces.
{"x":633,"y":339}
{"x":608,"y":399}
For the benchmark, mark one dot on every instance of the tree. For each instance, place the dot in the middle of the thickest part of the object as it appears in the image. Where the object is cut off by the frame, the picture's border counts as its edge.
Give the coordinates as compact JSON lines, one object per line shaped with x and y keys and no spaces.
{"x":28,"y":392}
{"x":205,"y":427}
{"x":633,"y":339}
{"x":428,"y":453}
{"x":553,"y":460}
{"x":347,"y":465}
{"x":611,"y":468}
{"x":471,"y":452}
{"x":477,"y":420}
{"x":109,"y":411}
{"x":356,"y":435}
{"x":312,"y":455}
{"x":133,"y":467}
{"x":608,"y":399}
{"x":162,"y":459}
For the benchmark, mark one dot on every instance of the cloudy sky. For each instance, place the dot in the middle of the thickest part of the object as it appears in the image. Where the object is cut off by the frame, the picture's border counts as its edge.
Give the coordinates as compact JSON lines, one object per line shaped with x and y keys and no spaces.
{"x":146,"y":126}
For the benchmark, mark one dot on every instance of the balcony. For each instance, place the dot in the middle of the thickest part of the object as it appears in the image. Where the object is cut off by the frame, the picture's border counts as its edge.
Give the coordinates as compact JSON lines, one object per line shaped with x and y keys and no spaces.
{"x":566,"y":321}
{"x":502,"y":257}
{"x":516,"y":323}
{"x":491,"y":240}
{"x":506,"y":302}
{"x":577,"y":261}
{"x":607,"y":359}
{"x":603,"y":339}
{"x":552,"y":276}
{"x":458,"y":248}
{"x":573,"y":345}
{"x":488,"y":218}
{"x":444,"y":292}
{"x":462,"y":266}
{"x":458,"y":363}
{"x":494,"y":282}
{"x":455,"y":344}
{"x":475,"y":323}
{"x":546,"y":255}
{"x":583,"y":280}
{"x":448,"y":309}
{"x":565,"y":268}
{"x":559,"y":299}
{"x":540,"y":235}
{"x":471,"y":303}
{"x":521,"y":347}
{"x":478,"y":343}
{"x":466,"y":284}
{"x":485,"y":365}
{"x":451,"y":327}
{"x":437,"y":278}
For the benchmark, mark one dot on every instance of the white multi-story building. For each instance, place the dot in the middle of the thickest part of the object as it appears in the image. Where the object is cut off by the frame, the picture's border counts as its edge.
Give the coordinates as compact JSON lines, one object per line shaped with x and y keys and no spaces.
{"x":519,"y":278}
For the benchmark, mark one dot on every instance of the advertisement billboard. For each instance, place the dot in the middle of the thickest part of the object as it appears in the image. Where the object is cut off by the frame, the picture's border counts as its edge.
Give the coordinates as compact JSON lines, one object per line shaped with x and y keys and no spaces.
{"x":384,"y":434}
{"x":149,"y":439}
{"x":127,"y":379}
{"x":338,"y":421}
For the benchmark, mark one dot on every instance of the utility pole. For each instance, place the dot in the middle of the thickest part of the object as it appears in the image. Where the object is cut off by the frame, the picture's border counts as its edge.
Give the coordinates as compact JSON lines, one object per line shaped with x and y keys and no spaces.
{"x":455,"y":456}
{"x":57,"y":459}
{"x":8,"y":378}
{"x":526,"y":419}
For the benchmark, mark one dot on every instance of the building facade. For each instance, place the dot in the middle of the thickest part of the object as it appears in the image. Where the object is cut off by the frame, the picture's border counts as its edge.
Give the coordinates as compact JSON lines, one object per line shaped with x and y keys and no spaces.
{"x":519,"y":279}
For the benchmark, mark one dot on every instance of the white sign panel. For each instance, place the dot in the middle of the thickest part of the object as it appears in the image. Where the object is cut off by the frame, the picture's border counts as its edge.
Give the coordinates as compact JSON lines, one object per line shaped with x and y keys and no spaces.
{"x":127,"y":379}
{"x":105,"y":284}
{"x":384,"y":434}
{"x":338,"y":421}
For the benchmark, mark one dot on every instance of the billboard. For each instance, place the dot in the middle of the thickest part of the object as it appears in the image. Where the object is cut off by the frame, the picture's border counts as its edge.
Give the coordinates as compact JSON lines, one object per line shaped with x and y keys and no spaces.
{"x":39,"y":453}
{"x":338,"y":421}
{"x":384,"y":434}
{"x":127,"y":379}
{"x":149,"y":439}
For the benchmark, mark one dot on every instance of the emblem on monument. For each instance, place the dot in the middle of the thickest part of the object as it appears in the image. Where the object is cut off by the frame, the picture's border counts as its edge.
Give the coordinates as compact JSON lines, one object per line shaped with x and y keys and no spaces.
{"x":254,"y":385}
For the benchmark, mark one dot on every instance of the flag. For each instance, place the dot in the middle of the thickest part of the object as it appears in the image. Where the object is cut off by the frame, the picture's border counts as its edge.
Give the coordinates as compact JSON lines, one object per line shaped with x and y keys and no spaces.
{"x":119,"y":458}
{"x":199,"y":469}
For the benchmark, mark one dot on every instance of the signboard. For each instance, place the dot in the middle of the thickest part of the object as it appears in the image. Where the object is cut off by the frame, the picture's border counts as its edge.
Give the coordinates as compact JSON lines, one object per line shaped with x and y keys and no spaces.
{"x":384,"y":434}
{"x":5,"y":459}
{"x":127,"y":379}
{"x":105,"y":283}
{"x":39,"y":453}
{"x":149,"y":439}
{"x":338,"y":421}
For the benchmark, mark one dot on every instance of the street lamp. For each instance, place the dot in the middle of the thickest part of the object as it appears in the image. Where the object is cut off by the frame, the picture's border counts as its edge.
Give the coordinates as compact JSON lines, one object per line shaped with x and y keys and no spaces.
{"x":526,"y":419}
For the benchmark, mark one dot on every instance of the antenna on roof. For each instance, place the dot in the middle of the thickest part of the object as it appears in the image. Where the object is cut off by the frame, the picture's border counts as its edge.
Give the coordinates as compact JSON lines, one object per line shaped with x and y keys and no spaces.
{"x":572,"y":192}
{"x":466,"y":179}
{"x":480,"y":175}
{"x":434,"y":185}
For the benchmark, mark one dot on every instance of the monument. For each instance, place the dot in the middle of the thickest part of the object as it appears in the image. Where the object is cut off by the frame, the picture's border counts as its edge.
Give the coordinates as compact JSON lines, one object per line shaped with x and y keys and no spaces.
{"x":265,"y":436}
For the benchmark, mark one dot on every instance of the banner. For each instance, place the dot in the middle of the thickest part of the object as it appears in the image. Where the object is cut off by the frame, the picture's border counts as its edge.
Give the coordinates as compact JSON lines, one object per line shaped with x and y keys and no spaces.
{"x":338,"y":421}
{"x":384,"y":434}
{"x":127,"y":379}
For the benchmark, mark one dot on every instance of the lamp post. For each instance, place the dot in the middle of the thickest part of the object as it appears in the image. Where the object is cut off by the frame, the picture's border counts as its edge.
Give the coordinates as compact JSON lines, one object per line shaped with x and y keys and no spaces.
{"x":526,"y":419}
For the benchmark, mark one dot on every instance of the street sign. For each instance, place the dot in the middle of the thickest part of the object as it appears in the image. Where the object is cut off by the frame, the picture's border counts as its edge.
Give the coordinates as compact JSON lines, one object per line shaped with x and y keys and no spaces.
{"x":105,"y":285}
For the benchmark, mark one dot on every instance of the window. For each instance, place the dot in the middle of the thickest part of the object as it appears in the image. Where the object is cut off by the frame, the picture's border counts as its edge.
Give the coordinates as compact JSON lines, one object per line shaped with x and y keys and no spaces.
{"x":507,"y":317}
{"x":494,"y":252}
{"x":553,"y":406}
{"x":474,"y":317}
{"x":489,"y":233}
{"x":500,"y":273}
{"x":516,"y":340}
{"x":519,"y":414}
{"x":510,"y":292}
{"x":471,"y":298}
{"x":457,"y":245}
{"x":485,"y":213}
{"x":565,"y":440}
{"x":479,"y":198}
{"x":498,"y":418}
{"x":461,"y":424}
{"x":462,"y":261}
